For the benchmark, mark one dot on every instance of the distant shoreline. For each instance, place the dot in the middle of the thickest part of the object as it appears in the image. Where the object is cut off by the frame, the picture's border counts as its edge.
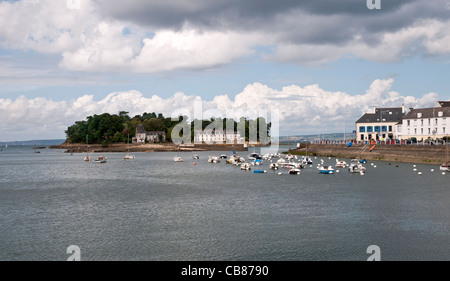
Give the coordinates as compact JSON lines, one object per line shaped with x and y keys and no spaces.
{"x":161,"y":147}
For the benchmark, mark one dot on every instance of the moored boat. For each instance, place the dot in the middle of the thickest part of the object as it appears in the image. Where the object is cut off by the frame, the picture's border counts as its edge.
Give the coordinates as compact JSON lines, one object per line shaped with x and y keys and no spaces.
{"x":101,"y":160}
{"x":326,"y":170}
{"x":178,"y":159}
{"x":294,"y":172}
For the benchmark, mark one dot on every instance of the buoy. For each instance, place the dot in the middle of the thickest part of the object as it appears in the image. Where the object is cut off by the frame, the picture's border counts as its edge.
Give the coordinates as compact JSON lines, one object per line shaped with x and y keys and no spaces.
{"x":415,"y":170}
{"x":194,"y":163}
{"x":280,"y":174}
{"x":337,"y":171}
{"x":371,"y":164}
{"x":375,"y":166}
{"x":420,"y":173}
{"x":362,"y":173}
{"x":414,"y":166}
{"x":432,"y":170}
{"x":443,"y":173}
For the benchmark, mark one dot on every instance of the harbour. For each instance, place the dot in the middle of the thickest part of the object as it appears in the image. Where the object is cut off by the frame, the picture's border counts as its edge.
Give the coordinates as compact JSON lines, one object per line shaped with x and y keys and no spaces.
{"x":152,"y":209}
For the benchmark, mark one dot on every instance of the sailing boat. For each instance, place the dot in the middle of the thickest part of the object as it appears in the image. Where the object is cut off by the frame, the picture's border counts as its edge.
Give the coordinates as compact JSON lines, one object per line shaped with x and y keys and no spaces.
{"x":129,"y":156}
{"x":87,"y":158}
{"x":446,"y":167}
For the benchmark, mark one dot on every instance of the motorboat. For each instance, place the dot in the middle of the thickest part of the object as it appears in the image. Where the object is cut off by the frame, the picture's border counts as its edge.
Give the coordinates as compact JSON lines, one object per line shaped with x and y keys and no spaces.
{"x":195,"y":157}
{"x":223,"y":156}
{"x":274,"y":166}
{"x":326,"y":170}
{"x":307,"y":160}
{"x":256,"y":162}
{"x":129,"y":157}
{"x":357,"y":168}
{"x":87,"y":158}
{"x":294,"y":165}
{"x":341,"y":164}
{"x":289,"y":157}
{"x":445,"y":167}
{"x":214,"y":159}
{"x":254,"y":156}
{"x":178,"y":159}
{"x":294,"y":172}
{"x":246,"y":167}
{"x":101,"y":160}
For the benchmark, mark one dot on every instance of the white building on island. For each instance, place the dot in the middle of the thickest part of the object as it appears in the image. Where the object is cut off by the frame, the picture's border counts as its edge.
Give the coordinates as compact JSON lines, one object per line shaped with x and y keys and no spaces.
{"x":218,"y":137}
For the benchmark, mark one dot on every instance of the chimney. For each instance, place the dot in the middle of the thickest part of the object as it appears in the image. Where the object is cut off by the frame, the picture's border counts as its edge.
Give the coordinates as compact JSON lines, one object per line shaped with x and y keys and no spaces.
{"x":374,"y":109}
{"x":403,"y":108}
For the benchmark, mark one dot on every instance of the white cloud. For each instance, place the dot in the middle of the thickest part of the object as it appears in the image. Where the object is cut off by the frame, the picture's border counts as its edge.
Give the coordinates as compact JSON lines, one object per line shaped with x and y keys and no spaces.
{"x":310,"y":109}
{"x":91,"y":40}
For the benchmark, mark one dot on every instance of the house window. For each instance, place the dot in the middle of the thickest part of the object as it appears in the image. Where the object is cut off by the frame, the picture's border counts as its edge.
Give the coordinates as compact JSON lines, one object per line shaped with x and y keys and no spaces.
{"x":370,"y":129}
{"x":415,"y":131}
{"x":443,"y":130}
{"x":362,"y":137}
{"x":429,"y":122}
{"x":429,"y":130}
{"x":390,"y":128}
{"x":409,"y":122}
{"x":421,"y":130}
{"x":436,"y":121}
{"x":362,"y":129}
{"x":384,"y":128}
{"x":422,"y":122}
{"x":377,"y":128}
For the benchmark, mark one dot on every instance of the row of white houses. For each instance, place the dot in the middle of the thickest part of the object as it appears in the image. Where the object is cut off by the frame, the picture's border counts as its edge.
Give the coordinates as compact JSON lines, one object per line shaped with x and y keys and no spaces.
{"x":396,"y":124}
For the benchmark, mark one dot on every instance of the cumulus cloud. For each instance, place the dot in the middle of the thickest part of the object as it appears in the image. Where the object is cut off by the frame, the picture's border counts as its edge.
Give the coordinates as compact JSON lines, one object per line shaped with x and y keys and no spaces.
{"x":160,"y":36}
{"x":303,"y":110}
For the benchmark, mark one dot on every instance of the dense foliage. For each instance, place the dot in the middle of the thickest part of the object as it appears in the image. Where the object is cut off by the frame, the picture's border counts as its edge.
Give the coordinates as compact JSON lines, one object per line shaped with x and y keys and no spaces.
{"x":107,"y":128}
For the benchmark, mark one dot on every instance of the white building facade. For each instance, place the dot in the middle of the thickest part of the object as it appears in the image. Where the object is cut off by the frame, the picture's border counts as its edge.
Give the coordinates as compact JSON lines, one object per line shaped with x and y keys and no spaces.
{"x":381,"y":125}
{"x":427,"y":123}
{"x":218,"y":137}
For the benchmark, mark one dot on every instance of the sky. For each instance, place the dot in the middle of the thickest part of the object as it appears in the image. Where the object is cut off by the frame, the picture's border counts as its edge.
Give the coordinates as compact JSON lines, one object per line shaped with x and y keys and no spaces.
{"x":321,"y":64}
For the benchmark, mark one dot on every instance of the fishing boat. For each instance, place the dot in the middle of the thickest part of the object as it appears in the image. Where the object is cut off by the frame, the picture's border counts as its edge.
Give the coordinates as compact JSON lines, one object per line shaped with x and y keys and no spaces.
{"x":178,"y":159}
{"x":446,"y":167}
{"x":326,"y":170}
{"x":101,"y":160}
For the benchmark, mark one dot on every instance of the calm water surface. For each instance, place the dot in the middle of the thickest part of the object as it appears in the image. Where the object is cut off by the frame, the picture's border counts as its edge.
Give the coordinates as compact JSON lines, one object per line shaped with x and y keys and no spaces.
{"x":154,"y":209}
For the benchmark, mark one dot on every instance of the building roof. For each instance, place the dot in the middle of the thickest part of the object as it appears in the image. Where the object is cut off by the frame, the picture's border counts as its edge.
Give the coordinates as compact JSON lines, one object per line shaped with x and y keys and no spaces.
{"x":444,"y":103}
{"x":428,"y":113}
{"x":140,"y":129}
{"x":390,"y":115}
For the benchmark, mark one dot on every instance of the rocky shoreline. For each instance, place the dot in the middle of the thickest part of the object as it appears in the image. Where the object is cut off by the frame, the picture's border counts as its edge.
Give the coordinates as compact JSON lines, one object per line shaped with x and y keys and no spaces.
{"x":164,"y":147}
{"x":396,"y":153}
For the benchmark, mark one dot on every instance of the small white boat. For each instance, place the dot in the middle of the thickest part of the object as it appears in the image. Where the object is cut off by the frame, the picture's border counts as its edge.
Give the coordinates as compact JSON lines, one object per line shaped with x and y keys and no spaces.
{"x":87,"y":158}
{"x":289,"y":157}
{"x":274,"y":166}
{"x":178,"y":159}
{"x":256,"y":162}
{"x":326,"y":170}
{"x":254,"y":156}
{"x":357,"y":168}
{"x":445,"y":167}
{"x":129,"y":157}
{"x":214,"y":159}
{"x":223,"y":156}
{"x":341,"y":164}
{"x":101,"y":160}
{"x":195,"y":157}
{"x":246,"y":167}
{"x":294,"y":172}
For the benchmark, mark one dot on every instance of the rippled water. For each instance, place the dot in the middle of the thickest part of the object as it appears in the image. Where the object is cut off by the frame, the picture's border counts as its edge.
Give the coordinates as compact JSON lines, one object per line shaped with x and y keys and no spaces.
{"x":154,"y":209}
